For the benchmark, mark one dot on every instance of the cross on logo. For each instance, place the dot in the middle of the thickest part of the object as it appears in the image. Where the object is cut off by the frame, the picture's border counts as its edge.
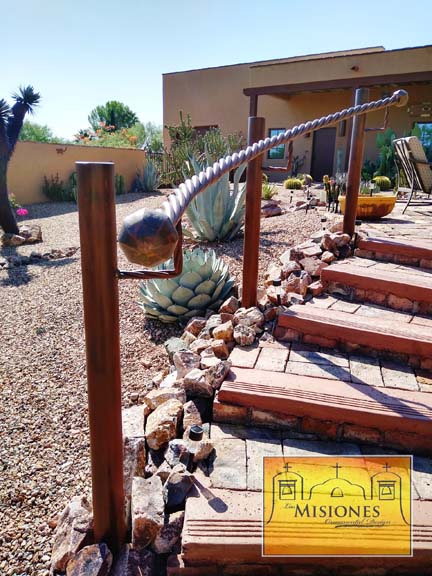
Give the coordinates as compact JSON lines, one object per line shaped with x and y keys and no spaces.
{"x":287,"y":467}
{"x":386,"y":466}
{"x":337,"y":469}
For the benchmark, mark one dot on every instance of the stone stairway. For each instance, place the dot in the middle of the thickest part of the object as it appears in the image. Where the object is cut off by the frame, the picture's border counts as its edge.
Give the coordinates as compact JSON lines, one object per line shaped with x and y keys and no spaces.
{"x":349,"y":374}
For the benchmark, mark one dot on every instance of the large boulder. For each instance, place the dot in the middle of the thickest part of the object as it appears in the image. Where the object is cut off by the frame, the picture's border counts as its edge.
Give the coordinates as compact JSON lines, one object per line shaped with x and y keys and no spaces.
{"x":161,"y":426}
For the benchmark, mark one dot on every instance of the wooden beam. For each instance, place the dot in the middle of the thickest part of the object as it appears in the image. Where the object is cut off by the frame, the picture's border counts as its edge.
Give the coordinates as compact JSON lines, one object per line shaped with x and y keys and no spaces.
{"x":341,"y":83}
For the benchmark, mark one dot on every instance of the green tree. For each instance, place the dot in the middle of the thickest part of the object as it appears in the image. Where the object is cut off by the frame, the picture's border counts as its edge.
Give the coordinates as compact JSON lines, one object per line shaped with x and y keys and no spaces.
{"x":11,"y":123}
{"x":114,"y":114}
{"x":33,"y":132}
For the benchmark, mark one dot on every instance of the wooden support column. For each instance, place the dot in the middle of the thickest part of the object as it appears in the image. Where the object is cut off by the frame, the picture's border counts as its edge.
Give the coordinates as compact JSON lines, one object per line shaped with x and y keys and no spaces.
{"x":256,"y":129}
{"x":355,"y":164}
{"x":98,"y":236}
{"x":253,"y":105}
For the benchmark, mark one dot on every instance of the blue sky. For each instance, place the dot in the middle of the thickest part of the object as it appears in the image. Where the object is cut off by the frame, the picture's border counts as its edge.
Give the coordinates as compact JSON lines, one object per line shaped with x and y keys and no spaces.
{"x":81,"y":53}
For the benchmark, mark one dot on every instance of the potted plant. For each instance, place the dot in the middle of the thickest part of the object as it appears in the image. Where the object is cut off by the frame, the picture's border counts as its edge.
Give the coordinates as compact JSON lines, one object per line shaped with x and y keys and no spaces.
{"x":375,"y":199}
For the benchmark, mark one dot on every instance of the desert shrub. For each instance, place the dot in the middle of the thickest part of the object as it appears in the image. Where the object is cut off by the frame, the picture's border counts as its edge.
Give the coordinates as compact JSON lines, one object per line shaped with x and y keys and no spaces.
{"x":268,"y":190}
{"x":148,"y":179}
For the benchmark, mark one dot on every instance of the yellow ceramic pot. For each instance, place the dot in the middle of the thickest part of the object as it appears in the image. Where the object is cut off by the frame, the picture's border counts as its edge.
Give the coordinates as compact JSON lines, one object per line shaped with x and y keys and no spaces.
{"x":372,"y":207}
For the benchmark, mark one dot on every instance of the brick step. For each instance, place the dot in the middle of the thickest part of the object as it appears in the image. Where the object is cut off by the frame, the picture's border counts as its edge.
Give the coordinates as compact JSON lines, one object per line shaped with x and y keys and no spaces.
{"x":399,"y":250}
{"x":223,"y":535}
{"x":389,"y":417}
{"x":383,"y":284}
{"x":408,"y":341}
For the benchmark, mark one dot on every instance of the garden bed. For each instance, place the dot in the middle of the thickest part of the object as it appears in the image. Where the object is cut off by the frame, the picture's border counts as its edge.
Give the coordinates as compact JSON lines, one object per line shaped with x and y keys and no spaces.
{"x":44,"y":430}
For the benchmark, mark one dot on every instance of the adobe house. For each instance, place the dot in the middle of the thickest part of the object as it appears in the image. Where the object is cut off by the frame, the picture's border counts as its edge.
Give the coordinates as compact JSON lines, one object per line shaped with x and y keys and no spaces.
{"x":290,"y":91}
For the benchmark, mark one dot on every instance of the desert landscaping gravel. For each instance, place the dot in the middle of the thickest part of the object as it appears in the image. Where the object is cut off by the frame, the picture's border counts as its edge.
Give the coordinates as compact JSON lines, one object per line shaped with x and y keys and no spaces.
{"x":44,"y":439}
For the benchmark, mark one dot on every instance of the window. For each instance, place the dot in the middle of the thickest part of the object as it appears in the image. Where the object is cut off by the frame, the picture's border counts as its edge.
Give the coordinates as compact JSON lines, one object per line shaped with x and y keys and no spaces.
{"x":278,"y":152}
{"x":287,"y":489}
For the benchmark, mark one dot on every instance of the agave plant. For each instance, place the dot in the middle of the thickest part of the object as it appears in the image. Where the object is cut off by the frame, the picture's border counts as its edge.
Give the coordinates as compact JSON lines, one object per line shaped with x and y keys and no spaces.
{"x":148,"y":180}
{"x":218,"y":213}
{"x":203,"y":284}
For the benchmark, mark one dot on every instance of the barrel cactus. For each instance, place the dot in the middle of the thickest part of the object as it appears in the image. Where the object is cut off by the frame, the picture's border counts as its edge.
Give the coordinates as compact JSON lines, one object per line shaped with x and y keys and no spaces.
{"x":293,"y":184}
{"x":217,"y":214}
{"x":203,"y":285}
{"x":383,"y":183}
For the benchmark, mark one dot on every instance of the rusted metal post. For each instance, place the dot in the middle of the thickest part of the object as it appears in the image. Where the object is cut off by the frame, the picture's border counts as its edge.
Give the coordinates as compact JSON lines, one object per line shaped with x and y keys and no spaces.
{"x":355,"y":163}
{"x":256,"y":127}
{"x":96,"y":204}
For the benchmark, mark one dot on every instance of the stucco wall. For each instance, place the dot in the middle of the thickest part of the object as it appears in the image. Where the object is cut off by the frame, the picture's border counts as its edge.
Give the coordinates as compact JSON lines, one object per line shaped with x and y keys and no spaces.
{"x":215,"y":95}
{"x":34,"y":160}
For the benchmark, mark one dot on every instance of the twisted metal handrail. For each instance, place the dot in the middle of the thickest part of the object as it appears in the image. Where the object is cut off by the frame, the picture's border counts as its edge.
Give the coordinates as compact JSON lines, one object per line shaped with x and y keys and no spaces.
{"x":149,"y":236}
{"x":180,"y":198}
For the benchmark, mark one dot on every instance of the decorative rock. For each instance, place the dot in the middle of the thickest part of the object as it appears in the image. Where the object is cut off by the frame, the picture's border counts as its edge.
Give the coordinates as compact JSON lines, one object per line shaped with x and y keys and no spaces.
{"x":293,"y":298}
{"x":205,"y":448}
{"x":94,"y":560}
{"x":231,"y":305}
{"x":31,"y":232}
{"x":251,"y":317}
{"x":224,"y":331}
{"x":177,"y":452}
{"x":205,"y":334}
{"x":313,"y":265}
{"x":170,"y":381}
{"x":316,"y":288}
{"x":12,"y":240}
{"x":188,"y":338}
{"x":216,"y":374}
{"x":176,"y":487}
{"x":342,"y":240}
{"x":195,"y":325}
{"x":185,"y":362}
{"x":328,"y":257}
{"x":244,"y":335}
{"x":288,"y":268}
{"x":195,"y":412}
{"x":158,"y":378}
{"x":317,"y":236}
{"x":298,"y":282}
{"x":155,"y":458}
{"x":134,"y":452}
{"x":312,"y":251}
{"x":286,"y":257}
{"x":271,"y":210}
{"x":208,"y":358}
{"x":173,"y":345}
{"x":226,"y":317}
{"x":170,"y":533}
{"x":157,"y":397}
{"x":220,"y":349}
{"x":273,"y":273}
{"x":213,"y":321}
{"x":161,"y":424}
{"x":196,"y":384}
{"x":147,"y":510}
{"x":74,"y":531}
{"x":199,"y":345}
{"x":163,"y":471}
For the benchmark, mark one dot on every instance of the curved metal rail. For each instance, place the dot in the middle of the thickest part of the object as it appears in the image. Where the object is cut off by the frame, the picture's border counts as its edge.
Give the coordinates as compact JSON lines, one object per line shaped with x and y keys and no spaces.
{"x":149,"y":235}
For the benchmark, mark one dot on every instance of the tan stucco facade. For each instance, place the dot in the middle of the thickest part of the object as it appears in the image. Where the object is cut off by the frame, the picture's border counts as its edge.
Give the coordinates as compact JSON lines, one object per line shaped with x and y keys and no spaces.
{"x":32,"y":161}
{"x":309,"y":87}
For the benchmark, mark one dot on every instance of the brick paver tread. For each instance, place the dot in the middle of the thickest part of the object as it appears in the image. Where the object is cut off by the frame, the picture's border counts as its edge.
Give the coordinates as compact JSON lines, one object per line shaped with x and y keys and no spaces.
{"x":417,"y":288}
{"x":386,"y":409}
{"x":401,"y":246}
{"x":384,"y":335}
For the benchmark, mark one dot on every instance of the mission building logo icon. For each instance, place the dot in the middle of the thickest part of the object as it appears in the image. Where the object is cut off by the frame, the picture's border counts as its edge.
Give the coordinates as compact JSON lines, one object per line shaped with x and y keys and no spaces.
{"x":337,"y":506}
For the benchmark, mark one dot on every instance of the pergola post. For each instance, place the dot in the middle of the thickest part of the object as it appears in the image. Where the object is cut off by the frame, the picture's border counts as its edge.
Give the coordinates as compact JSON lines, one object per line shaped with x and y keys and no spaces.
{"x":355,"y":163}
{"x":98,"y":237}
{"x":256,"y":128}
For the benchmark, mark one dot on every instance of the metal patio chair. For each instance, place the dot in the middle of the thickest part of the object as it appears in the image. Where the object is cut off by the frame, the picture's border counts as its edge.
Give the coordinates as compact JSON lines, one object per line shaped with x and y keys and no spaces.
{"x":411,"y":161}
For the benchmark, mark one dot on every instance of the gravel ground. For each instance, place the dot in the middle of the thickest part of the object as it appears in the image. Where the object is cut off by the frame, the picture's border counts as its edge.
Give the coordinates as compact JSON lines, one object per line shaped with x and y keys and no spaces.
{"x":44,"y":448}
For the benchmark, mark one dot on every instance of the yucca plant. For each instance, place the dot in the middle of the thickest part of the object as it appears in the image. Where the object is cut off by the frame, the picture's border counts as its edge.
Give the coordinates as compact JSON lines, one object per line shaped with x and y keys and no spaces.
{"x":293,"y":184}
{"x":218,"y":213}
{"x":203,"y":285}
{"x":11,"y":122}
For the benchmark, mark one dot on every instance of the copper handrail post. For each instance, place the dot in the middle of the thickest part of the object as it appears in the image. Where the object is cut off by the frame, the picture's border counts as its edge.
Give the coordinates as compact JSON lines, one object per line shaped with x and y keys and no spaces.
{"x":355,"y":163}
{"x":256,"y":128}
{"x":96,"y":205}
